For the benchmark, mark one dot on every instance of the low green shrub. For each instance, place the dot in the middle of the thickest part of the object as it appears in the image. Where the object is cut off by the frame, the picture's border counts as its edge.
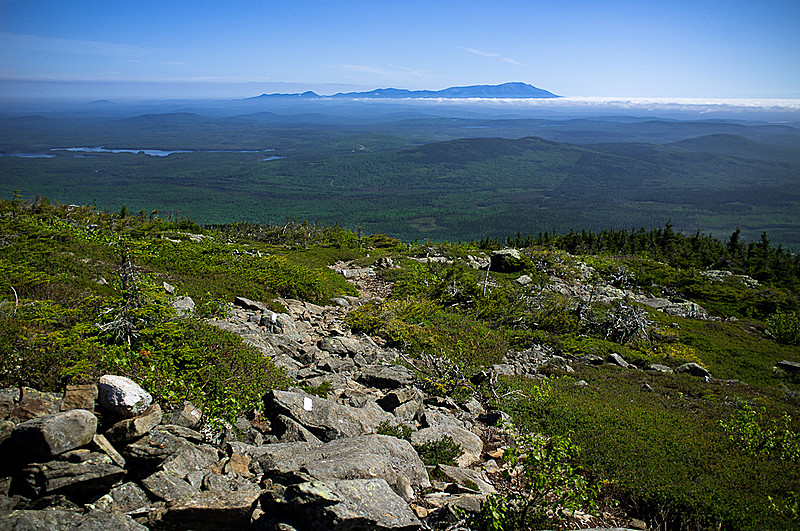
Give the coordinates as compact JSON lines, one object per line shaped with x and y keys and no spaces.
{"x":544,"y":482}
{"x":442,"y":451}
{"x":400,"y":431}
{"x":785,"y":326}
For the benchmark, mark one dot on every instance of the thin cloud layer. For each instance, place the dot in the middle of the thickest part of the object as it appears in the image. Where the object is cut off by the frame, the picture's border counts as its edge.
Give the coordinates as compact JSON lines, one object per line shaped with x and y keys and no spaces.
{"x":490,"y":54}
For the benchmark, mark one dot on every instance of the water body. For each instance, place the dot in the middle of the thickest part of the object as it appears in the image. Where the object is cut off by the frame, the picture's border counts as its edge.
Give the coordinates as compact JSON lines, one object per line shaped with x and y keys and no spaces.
{"x":101,"y":149}
{"x":150,"y":152}
{"x":28,"y":155}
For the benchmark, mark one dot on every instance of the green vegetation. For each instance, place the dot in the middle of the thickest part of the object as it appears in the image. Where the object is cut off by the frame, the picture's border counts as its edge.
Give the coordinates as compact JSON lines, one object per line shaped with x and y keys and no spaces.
{"x":542,"y":485}
{"x":83,"y":293}
{"x":420,"y":179}
{"x":84,"y":296}
{"x":442,"y":451}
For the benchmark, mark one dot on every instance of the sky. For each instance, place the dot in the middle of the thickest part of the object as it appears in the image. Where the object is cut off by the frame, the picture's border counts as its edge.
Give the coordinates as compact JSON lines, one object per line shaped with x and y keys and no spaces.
{"x":598,"y":48}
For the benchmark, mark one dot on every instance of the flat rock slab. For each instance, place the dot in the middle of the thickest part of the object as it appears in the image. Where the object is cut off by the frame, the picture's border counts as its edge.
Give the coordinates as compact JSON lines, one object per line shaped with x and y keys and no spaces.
{"x":326,"y":419}
{"x":351,"y":505}
{"x":387,"y":376}
{"x":57,"y":520}
{"x":47,"y":436}
{"x":94,"y":474}
{"x":211,"y":511}
{"x":468,"y":478}
{"x":367,"y":456}
{"x":135,"y":427}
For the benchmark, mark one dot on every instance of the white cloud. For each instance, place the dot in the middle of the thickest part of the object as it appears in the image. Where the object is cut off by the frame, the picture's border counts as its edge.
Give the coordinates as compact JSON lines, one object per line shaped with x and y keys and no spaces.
{"x":478,"y":52}
{"x":490,"y":54}
{"x":389,"y":70}
{"x":10,"y":41}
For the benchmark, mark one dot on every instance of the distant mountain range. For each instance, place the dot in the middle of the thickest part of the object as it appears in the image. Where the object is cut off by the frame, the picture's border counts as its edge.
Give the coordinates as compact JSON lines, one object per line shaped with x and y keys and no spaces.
{"x":505,"y":90}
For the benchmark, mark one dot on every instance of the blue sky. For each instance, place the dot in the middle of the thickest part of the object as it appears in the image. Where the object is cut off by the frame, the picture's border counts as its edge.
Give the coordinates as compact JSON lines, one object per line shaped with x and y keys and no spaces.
{"x":715,"y":49}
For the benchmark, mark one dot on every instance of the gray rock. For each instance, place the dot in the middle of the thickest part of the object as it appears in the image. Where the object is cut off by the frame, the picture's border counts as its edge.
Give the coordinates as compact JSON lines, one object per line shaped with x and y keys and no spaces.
{"x":6,"y":429}
{"x":694,"y":369}
{"x":406,"y":404}
{"x":467,"y":478}
{"x":248,"y":304}
{"x":293,"y":431}
{"x":655,"y":302}
{"x":471,"y":444}
{"x":387,"y":376}
{"x":616,"y":359}
{"x":101,"y":442}
{"x":79,"y":397}
{"x":9,"y":398}
{"x":687,"y":309}
{"x":792,"y":367}
{"x":657,"y":367}
{"x":129,"y":498}
{"x":212,"y":511}
{"x":326,"y":419}
{"x":183,"y":305}
{"x":167,"y":487}
{"x":135,"y":427}
{"x":367,"y":456}
{"x":152,"y":449}
{"x":60,"y":520}
{"x":122,"y":395}
{"x":93,"y":474}
{"x":346,"y":505}
{"x":190,"y":457}
{"x":187,"y":416}
{"x":44,"y":437}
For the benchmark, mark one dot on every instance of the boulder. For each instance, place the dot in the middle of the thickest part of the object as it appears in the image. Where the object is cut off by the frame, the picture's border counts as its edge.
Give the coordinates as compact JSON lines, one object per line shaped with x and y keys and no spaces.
{"x":129,"y":498}
{"x":44,"y":437}
{"x":326,"y":419}
{"x":351,"y":505}
{"x":183,"y":305}
{"x":616,"y":359}
{"x":123,"y":396}
{"x":406,"y":404}
{"x":9,"y":398}
{"x":248,"y":304}
{"x":694,"y":369}
{"x":687,"y":309}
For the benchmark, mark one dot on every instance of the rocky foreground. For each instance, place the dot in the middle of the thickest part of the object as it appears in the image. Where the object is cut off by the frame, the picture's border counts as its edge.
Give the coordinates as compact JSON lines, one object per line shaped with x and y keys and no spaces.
{"x":104,"y":456}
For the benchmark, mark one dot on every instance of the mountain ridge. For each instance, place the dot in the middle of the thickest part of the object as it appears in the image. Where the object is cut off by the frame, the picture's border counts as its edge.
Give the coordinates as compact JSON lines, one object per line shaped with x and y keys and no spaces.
{"x":504,"y":90}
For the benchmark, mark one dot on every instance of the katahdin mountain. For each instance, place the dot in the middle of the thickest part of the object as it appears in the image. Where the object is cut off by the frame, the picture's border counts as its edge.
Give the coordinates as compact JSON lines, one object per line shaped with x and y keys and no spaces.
{"x":505,"y":90}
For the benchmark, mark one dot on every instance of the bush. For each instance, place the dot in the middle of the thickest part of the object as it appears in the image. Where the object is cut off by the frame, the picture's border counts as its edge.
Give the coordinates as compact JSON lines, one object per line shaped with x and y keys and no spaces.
{"x":544,"y":483}
{"x":443,"y":451}
{"x":785,"y":327}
